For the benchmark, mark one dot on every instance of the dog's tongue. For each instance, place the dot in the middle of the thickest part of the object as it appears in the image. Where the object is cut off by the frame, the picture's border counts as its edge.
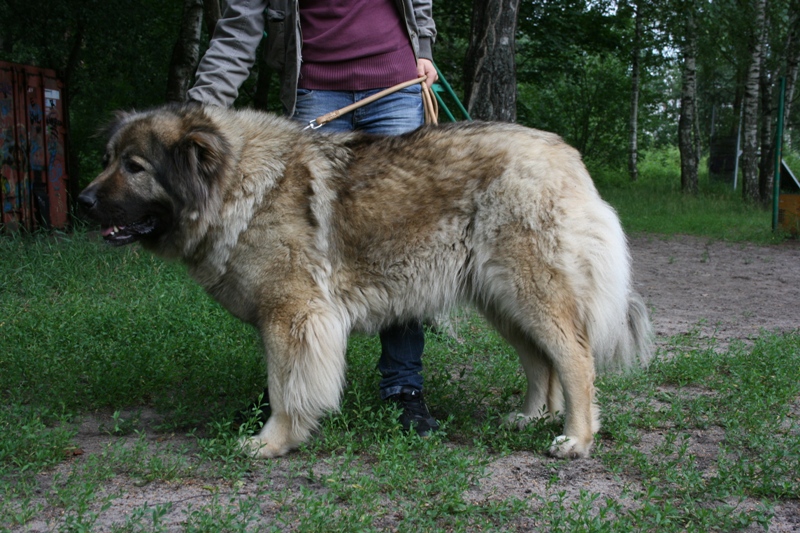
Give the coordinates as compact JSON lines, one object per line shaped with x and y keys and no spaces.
{"x":109,"y":230}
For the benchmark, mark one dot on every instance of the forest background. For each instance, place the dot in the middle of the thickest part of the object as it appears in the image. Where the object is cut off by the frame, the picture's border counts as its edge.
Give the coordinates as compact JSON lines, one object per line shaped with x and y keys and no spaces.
{"x":621,"y":80}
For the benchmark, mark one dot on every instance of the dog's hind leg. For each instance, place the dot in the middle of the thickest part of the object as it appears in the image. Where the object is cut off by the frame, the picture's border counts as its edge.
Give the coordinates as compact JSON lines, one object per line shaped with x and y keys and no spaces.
{"x":305,"y":350}
{"x":560,"y":352}
{"x":568,"y":382}
{"x":538,"y":372}
{"x":575,"y":369}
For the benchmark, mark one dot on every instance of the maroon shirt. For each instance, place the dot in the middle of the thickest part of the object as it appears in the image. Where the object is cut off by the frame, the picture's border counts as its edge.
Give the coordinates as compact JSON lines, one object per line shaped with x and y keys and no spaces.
{"x":353,"y":45}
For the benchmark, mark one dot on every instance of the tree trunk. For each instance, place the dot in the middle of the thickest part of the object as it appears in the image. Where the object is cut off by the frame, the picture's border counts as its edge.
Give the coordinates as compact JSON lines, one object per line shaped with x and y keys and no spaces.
{"x":750,"y":114}
{"x":633,"y":142}
{"x":686,"y":143}
{"x":186,"y":53}
{"x":490,"y":66}
{"x":792,"y":58}
{"x":766,"y":161}
{"x":211,"y":15}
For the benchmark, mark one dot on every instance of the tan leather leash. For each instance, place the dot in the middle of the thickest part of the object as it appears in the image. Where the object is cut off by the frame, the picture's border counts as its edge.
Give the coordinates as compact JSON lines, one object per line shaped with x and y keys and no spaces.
{"x":428,"y":100}
{"x":431,"y":104}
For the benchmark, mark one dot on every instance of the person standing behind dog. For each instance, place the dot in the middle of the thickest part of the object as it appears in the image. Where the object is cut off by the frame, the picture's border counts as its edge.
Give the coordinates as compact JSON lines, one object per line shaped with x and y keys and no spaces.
{"x":330,"y":54}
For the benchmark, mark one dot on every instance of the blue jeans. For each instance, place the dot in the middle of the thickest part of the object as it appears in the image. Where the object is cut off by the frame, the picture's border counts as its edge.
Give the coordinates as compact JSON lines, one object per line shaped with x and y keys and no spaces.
{"x":400,"y":364}
{"x":394,"y":114}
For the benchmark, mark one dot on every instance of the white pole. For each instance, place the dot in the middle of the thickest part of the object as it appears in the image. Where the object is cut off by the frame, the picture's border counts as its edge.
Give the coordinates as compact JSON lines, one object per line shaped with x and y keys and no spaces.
{"x":738,"y":151}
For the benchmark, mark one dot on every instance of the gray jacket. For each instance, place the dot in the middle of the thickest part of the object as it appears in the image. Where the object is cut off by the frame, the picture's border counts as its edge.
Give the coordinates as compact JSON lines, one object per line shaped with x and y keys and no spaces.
{"x":227,"y":62}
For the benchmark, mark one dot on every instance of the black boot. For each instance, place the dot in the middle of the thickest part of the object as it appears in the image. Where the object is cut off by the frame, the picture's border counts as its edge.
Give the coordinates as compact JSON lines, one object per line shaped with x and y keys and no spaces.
{"x":415,"y":412}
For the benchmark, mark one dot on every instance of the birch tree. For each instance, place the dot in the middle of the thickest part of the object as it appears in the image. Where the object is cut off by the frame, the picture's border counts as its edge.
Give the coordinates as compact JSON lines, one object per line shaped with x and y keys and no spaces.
{"x":686,"y":142}
{"x":633,"y":122}
{"x":750,"y":190}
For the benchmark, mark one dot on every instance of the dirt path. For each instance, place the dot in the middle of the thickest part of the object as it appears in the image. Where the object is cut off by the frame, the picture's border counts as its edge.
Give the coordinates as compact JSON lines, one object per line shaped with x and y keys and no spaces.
{"x":737,"y":290}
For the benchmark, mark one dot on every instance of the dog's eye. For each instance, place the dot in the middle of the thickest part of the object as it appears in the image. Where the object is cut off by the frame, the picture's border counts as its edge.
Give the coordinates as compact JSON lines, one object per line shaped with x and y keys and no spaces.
{"x":133,"y":167}
{"x":106,"y":159}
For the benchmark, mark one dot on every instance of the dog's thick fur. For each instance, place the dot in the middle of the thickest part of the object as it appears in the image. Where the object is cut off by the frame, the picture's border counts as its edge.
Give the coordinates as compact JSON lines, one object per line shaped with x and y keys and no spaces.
{"x":309,"y":236}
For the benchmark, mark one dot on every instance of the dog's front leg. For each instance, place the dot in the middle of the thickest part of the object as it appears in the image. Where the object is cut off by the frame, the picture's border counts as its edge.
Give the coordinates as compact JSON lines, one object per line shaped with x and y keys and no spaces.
{"x":305,"y":349}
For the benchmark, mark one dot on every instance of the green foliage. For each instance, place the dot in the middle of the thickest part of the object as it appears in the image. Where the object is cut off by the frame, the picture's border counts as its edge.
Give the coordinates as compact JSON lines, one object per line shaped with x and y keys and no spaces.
{"x":746,"y":395}
{"x":581,"y":105}
{"x":35,"y":438}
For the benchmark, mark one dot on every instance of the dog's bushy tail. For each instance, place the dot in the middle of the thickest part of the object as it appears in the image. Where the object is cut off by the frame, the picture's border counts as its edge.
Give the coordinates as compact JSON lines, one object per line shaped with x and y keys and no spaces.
{"x":634,"y":341}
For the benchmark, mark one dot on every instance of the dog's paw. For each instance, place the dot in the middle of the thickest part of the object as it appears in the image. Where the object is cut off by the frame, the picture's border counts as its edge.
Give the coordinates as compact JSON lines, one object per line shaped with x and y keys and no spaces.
{"x":258,"y":449}
{"x":522,"y":420}
{"x":518,"y":420}
{"x":565,"y":447}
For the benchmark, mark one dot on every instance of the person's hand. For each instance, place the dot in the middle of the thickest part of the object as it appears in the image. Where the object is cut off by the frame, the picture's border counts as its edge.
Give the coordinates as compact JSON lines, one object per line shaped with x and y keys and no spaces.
{"x":425,"y":68}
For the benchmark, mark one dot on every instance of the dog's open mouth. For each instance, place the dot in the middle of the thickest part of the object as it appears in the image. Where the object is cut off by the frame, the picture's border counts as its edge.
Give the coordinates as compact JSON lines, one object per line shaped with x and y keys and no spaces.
{"x":120,"y":235}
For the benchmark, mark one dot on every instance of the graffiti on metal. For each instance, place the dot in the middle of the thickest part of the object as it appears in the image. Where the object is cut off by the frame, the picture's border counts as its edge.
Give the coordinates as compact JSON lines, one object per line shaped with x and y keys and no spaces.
{"x":33,"y":167}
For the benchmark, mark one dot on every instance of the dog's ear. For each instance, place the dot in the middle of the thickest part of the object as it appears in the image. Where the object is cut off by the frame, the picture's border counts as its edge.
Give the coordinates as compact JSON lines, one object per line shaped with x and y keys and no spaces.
{"x":201,"y":160}
{"x":211,"y":153}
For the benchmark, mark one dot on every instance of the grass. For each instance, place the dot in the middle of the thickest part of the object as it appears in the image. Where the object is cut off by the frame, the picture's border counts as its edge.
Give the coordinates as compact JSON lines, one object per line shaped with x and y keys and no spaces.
{"x":706,"y":440}
{"x":654,"y":203}
{"x":92,"y":326}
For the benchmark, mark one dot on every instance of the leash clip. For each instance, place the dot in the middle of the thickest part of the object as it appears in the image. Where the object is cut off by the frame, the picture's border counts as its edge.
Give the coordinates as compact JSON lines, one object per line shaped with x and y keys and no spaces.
{"x":312,"y":125}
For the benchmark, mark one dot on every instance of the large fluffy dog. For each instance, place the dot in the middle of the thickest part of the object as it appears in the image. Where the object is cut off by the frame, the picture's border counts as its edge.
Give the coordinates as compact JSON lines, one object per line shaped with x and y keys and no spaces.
{"x":309,"y":236}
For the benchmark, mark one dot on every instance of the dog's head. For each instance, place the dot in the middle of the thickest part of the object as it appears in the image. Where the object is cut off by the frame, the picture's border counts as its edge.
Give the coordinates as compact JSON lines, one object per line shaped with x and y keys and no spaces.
{"x":161,"y":169}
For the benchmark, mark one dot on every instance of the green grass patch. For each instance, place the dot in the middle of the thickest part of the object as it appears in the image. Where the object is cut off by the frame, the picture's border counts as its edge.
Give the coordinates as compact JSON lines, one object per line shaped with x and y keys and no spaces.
{"x":709,"y":426}
{"x":88,"y":326}
{"x":655,"y":203}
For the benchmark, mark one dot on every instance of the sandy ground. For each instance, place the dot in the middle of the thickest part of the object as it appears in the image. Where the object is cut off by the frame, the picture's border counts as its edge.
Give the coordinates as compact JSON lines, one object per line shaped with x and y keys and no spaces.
{"x":723,"y":291}
{"x":732,"y":291}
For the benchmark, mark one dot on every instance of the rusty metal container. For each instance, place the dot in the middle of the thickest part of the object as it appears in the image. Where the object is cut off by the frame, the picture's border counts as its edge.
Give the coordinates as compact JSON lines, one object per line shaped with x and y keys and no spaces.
{"x":34,"y":182}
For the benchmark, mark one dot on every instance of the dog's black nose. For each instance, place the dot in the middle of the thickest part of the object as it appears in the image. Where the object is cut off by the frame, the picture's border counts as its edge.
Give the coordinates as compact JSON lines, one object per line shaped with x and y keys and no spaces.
{"x":87,"y":199}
